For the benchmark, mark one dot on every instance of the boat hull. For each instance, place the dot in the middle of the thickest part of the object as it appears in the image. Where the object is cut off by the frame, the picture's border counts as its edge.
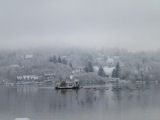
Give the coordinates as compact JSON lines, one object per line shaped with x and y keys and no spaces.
{"x":67,"y":87}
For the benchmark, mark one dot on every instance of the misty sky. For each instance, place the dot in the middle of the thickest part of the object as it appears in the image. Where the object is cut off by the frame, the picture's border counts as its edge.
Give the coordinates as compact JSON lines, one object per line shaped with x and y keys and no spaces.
{"x":131,"y":24}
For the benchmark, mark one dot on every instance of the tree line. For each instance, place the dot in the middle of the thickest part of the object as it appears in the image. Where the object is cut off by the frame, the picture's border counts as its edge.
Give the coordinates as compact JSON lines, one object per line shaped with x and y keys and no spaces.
{"x":61,"y":60}
{"x":115,"y":73}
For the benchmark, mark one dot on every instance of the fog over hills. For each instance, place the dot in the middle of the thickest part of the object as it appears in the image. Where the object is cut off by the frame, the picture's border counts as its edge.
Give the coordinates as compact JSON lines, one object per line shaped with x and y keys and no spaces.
{"x":79,"y":59}
{"x":128,"y":24}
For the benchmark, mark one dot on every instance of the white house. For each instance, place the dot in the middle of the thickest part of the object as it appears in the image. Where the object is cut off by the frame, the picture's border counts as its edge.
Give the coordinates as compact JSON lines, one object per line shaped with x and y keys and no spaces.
{"x":28,"y":56}
{"x":27,"y":77}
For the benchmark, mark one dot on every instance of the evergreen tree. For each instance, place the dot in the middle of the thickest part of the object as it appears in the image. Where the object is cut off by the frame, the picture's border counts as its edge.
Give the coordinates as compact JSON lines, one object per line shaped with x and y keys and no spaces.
{"x":142,"y":75}
{"x":116,"y":71}
{"x":89,"y":67}
{"x":86,"y":69}
{"x":54,"y":59}
{"x":59,"y":60}
{"x":51,"y":59}
{"x":70,"y":64}
{"x":64,"y":61}
{"x":101,"y":72}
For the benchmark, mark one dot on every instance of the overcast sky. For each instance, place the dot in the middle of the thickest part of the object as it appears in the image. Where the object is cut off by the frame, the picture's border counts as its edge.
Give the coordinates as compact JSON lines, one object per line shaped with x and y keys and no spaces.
{"x":131,"y":24}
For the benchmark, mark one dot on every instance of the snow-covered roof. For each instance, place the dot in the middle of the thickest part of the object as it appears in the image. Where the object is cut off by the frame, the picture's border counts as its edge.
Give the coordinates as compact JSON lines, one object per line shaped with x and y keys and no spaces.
{"x":27,"y":77}
{"x":28,"y":56}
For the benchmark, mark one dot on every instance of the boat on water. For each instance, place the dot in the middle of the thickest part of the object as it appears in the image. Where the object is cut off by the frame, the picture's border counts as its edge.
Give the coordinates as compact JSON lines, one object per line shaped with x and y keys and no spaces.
{"x":67,"y":85}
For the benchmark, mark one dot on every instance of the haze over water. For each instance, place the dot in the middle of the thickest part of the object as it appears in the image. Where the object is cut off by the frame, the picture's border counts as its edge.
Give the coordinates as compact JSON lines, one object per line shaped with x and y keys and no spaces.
{"x":84,"y":104}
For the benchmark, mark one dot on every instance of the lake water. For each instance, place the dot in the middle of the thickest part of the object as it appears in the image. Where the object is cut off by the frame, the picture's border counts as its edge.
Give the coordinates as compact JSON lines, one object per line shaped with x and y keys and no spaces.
{"x":85,"y":104}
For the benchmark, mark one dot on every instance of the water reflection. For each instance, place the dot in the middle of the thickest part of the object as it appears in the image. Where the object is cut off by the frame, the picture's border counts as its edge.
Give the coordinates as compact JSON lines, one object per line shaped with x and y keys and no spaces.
{"x":50,"y":104}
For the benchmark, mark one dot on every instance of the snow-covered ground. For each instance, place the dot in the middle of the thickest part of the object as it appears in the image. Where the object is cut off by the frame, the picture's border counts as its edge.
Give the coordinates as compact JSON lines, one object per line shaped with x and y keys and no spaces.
{"x":107,"y":70}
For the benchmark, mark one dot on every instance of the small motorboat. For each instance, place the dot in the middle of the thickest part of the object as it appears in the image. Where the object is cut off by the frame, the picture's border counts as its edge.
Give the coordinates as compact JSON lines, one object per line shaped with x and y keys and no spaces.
{"x":67,"y":85}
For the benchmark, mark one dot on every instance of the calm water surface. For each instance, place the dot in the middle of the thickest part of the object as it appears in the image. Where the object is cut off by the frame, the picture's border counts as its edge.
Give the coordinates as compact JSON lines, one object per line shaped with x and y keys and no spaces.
{"x":84,"y":104}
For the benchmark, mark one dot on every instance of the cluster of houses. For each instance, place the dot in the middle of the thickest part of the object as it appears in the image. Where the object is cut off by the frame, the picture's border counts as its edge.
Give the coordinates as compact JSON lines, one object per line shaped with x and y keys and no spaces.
{"x":78,"y":70}
{"x":28,"y":56}
{"x":26,"y":79}
{"x":30,"y":79}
